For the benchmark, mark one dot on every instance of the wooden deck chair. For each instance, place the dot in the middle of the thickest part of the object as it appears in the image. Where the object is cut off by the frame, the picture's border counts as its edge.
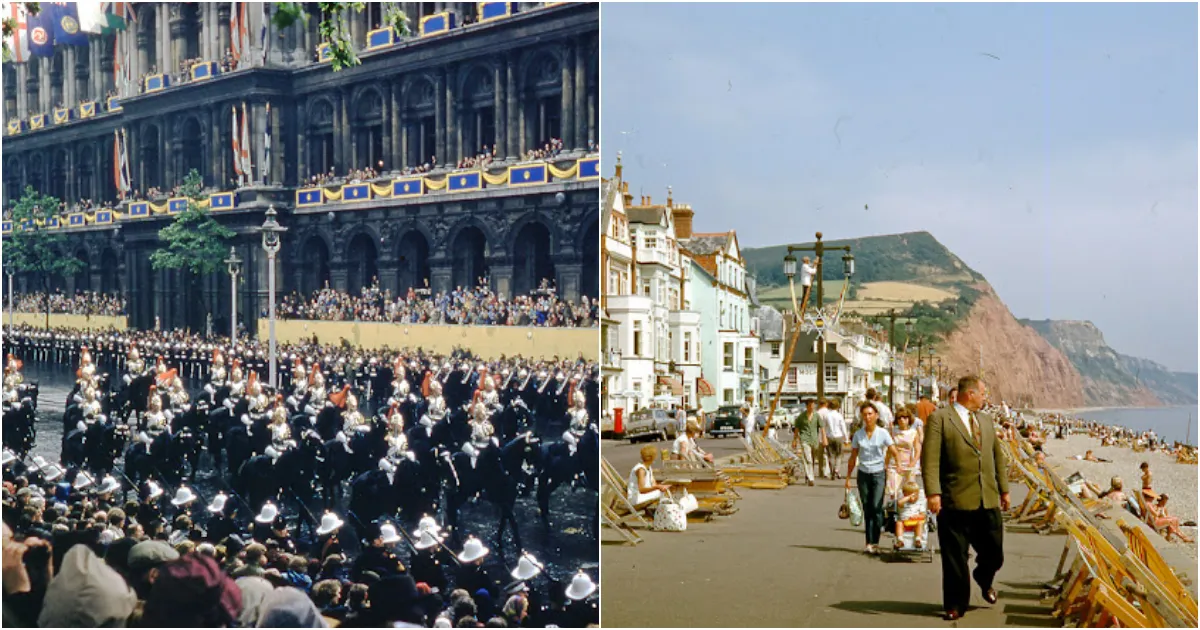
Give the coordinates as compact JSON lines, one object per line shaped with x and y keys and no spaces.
{"x":1144,"y":550}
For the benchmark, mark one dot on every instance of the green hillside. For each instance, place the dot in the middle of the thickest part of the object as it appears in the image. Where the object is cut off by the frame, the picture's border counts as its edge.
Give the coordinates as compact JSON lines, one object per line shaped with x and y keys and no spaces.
{"x":911,"y":257}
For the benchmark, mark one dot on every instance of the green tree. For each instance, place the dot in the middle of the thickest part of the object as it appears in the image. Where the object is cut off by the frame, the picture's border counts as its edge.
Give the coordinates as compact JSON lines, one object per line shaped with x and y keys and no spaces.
{"x":194,"y":242}
{"x":333,"y":28}
{"x":35,"y":249}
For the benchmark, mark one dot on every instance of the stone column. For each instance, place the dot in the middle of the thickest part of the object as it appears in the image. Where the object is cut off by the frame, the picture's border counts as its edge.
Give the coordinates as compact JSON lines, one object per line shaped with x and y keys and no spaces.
{"x":581,"y":108}
{"x":214,"y":147}
{"x":441,"y":274}
{"x":178,"y":30}
{"x":341,"y":140}
{"x":501,"y":270}
{"x":68,"y":81}
{"x":143,"y":46}
{"x":105,"y":82}
{"x":569,"y":274}
{"x":440,"y":99}
{"x":395,"y":149}
{"x":168,"y":151}
{"x":338,"y":274}
{"x":499,"y":119}
{"x":385,"y":133}
{"x":22,"y":90}
{"x":512,"y":131}
{"x":258,"y":123}
{"x":82,"y":75}
{"x":453,"y":136}
{"x":222,"y":29}
{"x":593,"y":93}
{"x":279,"y":142}
{"x":300,"y":138}
{"x":567,"y":120}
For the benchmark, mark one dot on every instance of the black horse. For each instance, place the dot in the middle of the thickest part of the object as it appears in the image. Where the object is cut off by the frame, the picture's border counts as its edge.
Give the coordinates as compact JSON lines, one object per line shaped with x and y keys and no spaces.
{"x":135,"y":398}
{"x":20,"y":427}
{"x":488,"y":478}
{"x":560,"y":467}
{"x":261,"y":478}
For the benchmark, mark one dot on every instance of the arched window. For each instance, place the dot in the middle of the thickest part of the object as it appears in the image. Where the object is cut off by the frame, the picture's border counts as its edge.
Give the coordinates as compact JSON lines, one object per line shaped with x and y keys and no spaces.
{"x":543,"y":101}
{"x":193,"y":147}
{"x":412,"y":263}
{"x":531,"y":259}
{"x":421,"y":130}
{"x":469,"y":252}
{"x":320,"y":138}
{"x":368,"y":130}
{"x":479,"y":113}
{"x":363,"y":264}
{"x":315,"y":273}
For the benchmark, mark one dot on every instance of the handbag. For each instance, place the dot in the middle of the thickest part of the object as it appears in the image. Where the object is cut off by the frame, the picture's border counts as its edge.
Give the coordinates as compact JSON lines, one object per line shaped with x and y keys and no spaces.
{"x":669,"y":515}
{"x":688,"y":502}
{"x":855,"y":508}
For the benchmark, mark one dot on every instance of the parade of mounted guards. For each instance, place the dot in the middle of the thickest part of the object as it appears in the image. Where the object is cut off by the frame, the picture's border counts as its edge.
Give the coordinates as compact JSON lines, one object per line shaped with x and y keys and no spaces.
{"x":301,"y":320}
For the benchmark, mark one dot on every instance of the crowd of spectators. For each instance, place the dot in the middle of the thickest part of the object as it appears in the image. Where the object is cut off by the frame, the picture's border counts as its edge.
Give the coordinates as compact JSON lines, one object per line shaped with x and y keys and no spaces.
{"x":81,"y":303}
{"x":479,"y":306}
{"x":548,"y":151}
{"x":485,"y":157}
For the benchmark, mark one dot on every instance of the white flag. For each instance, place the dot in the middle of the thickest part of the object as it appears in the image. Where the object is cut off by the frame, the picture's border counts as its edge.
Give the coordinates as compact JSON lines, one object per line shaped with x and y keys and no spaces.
{"x":91,"y":16}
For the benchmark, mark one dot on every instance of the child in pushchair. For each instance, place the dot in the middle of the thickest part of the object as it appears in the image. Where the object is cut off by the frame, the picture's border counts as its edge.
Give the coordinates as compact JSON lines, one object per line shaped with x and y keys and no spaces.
{"x":911,"y":518}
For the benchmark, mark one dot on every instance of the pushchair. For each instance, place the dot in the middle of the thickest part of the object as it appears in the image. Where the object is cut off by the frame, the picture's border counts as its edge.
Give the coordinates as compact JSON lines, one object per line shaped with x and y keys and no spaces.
{"x":909,"y":550}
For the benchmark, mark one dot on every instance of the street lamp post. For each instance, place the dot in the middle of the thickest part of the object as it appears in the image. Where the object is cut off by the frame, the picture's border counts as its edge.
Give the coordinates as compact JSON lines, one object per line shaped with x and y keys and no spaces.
{"x":271,"y":233}
{"x":892,"y":360}
{"x":235,"y":267}
{"x":789,"y":269}
{"x":11,"y":306}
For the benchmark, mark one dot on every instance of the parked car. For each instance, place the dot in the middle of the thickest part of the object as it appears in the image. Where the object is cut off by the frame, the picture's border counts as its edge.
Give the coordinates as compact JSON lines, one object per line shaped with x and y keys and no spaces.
{"x":651,"y":424}
{"x":726,"y":421}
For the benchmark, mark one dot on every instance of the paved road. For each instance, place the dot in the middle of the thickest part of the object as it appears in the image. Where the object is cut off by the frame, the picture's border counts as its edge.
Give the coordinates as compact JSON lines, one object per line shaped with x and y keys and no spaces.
{"x":785,"y":559}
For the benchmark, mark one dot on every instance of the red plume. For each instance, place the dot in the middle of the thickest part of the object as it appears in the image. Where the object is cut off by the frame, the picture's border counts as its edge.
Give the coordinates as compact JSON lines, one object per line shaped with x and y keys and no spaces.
{"x":425,"y":383}
{"x":252,"y":380}
{"x":339,"y":398}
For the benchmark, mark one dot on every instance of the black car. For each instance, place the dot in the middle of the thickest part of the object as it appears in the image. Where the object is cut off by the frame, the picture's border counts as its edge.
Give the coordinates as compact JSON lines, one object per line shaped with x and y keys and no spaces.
{"x":726,"y":421}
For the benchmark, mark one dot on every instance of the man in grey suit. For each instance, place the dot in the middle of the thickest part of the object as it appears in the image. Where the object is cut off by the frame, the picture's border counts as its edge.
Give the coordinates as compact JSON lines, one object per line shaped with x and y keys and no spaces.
{"x":966,"y":484}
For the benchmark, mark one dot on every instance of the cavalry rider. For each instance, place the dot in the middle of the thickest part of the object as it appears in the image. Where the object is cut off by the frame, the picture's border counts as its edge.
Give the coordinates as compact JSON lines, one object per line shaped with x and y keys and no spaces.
{"x":401,"y":390}
{"x":486,"y":395}
{"x":299,"y":384}
{"x":397,"y":443}
{"x":482,"y":435}
{"x":352,"y":418}
{"x":157,"y":420}
{"x":177,"y":394}
{"x":86,"y":373}
{"x":237,"y":379}
{"x":579,"y":422}
{"x":281,"y":433}
{"x":217,"y":373}
{"x":134,"y":365}
{"x":316,"y":387}
{"x":12,"y":380}
{"x":256,"y":401}
{"x":90,"y":409}
{"x":436,"y":409}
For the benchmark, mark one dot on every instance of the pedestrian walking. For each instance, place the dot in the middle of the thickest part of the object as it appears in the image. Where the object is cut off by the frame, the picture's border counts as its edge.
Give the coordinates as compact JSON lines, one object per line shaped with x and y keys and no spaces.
{"x":966,"y":483}
{"x":870,"y":450}
{"x":805,"y":438}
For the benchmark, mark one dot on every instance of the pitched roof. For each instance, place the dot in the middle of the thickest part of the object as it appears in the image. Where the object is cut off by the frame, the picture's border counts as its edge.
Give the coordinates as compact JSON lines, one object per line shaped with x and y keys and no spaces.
{"x":770,"y":322}
{"x":804,"y":350}
{"x":652,"y":215}
{"x":707,"y":244}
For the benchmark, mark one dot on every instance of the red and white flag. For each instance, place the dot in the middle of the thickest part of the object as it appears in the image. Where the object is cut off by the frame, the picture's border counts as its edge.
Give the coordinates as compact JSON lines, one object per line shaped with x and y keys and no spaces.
{"x":18,"y":42}
{"x":237,"y":152}
{"x":246,"y":163}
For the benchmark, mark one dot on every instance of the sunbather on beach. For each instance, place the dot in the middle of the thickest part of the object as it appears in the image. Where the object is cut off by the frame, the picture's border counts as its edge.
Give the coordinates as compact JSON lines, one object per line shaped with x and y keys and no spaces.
{"x":1159,"y":518}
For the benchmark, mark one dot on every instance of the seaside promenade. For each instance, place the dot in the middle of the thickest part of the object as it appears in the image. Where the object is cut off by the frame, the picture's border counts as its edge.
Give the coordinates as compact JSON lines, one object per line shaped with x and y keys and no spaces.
{"x":785,"y":559}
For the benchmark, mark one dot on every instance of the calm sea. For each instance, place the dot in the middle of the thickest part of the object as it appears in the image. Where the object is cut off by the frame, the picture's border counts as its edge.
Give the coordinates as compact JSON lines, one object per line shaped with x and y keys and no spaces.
{"x":1168,"y":422}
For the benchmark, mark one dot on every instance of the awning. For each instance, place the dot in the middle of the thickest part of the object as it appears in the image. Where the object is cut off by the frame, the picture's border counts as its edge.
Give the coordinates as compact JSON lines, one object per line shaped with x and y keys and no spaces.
{"x":672,"y":383}
{"x":704,"y":388}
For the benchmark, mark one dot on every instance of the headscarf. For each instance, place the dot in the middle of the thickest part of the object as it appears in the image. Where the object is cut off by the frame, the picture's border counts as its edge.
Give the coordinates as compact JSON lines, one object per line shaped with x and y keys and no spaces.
{"x":86,"y":593}
{"x":255,"y":591}
{"x":288,"y":607}
{"x":192,"y":591}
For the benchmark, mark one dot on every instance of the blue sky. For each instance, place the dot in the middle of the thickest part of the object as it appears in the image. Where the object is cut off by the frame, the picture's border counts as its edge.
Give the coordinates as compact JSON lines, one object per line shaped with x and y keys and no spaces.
{"x":1052,"y":147}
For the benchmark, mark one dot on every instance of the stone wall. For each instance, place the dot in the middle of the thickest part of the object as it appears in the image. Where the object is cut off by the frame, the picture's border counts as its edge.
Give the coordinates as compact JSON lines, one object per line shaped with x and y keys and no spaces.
{"x":94,"y":322}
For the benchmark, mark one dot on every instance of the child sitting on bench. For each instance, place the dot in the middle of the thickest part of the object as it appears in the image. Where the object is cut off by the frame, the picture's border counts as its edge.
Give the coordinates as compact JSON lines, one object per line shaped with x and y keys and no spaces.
{"x":911,"y":515}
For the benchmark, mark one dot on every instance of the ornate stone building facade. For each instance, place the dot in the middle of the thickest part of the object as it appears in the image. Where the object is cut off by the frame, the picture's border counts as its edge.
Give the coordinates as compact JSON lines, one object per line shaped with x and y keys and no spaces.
{"x":514,"y":83}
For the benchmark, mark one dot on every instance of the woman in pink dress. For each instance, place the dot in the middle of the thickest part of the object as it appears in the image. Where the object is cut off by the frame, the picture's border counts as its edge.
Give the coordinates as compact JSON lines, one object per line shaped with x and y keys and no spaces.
{"x":908,"y":450}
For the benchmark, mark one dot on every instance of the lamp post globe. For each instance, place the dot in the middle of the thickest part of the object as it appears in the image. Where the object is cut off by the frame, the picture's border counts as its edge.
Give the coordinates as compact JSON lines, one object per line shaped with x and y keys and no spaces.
{"x":789,"y":266}
{"x":235,"y":267}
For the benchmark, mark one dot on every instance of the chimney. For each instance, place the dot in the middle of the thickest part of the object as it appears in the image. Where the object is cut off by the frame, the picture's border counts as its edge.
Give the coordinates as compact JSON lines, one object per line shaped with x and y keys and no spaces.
{"x":618,"y":165}
{"x":626,"y":195}
{"x":669,"y":201}
{"x":682,"y":215}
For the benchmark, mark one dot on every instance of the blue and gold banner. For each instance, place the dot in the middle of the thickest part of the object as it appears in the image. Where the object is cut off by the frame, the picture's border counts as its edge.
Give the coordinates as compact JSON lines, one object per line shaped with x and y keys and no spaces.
{"x":51,"y":223}
{"x":458,"y":182}
{"x":380,"y":38}
{"x":437,"y":23}
{"x":87,"y":109}
{"x":589,"y":168}
{"x":139,"y":209}
{"x":156,"y":82}
{"x":114,"y":105}
{"x":323,"y":52}
{"x":76,"y":220}
{"x":356,"y":192}
{"x":495,"y":10}
{"x":15,"y":127}
{"x":408,"y":187}
{"x":6,"y":227}
{"x":104,"y":217}
{"x":177,"y":205}
{"x":309,"y":197}
{"x":221,"y":201}
{"x":527,"y":175}
{"x":61,"y":115}
{"x":37,"y":121}
{"x":27,"y":224}
{"x":204,"y":70}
